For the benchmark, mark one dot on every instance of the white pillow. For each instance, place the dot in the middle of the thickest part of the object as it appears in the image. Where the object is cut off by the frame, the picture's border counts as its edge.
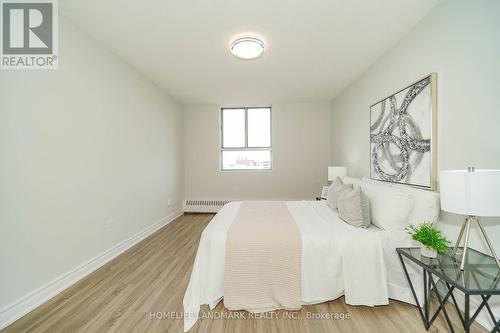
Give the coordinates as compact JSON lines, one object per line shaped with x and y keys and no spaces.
{"x":390,"y":208}
{"x":427,"y":205}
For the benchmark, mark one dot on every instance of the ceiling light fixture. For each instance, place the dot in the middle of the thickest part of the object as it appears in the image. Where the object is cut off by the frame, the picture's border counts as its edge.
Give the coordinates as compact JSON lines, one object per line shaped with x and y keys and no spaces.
{"x":247,"y":48}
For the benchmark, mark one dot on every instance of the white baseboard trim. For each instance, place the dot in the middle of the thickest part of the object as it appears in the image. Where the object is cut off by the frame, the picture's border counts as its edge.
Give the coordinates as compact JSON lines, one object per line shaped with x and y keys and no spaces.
{"x":26,"y":304}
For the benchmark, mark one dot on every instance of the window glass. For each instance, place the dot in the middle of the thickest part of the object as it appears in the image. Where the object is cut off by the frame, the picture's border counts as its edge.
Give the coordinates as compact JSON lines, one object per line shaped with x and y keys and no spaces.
{"x":246,"y":160}
{"x":259,"y":127}
{"x":233,"y":128}
{"x":246,"y":139}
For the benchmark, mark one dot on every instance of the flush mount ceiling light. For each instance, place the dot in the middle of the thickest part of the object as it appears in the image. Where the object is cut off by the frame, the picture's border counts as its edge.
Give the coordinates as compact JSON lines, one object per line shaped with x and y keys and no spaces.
{"x":247,"y":48}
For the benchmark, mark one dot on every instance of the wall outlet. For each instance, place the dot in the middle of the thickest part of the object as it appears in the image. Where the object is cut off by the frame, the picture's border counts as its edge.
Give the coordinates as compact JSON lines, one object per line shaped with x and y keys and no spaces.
{"x":111,"y":225}
{"x":169,"y":202}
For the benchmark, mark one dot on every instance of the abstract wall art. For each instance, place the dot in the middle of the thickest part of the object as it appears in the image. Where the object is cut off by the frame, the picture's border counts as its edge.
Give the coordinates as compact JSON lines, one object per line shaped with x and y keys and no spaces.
{"x":403,"y":136}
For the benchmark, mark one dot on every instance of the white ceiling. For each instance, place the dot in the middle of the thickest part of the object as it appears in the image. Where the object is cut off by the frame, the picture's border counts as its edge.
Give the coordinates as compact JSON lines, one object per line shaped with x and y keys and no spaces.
{"x":315,"y":48}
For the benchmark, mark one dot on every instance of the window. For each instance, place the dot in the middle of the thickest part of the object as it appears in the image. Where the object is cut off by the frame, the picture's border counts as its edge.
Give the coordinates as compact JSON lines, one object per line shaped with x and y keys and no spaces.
{"x":246,"y":139}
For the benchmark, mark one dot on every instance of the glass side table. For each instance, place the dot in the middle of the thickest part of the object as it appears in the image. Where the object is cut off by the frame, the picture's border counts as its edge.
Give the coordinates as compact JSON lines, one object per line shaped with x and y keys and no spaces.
{"x":480,"y":277}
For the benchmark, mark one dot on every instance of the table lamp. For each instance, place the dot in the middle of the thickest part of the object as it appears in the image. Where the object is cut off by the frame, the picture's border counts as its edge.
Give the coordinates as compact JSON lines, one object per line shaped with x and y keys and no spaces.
{"x":473,"y":193}
{"x":336,"y":171}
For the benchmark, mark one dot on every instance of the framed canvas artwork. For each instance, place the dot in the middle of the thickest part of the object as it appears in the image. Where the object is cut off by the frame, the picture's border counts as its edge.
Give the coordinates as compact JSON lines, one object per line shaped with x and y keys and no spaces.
{"x":403,"y":136}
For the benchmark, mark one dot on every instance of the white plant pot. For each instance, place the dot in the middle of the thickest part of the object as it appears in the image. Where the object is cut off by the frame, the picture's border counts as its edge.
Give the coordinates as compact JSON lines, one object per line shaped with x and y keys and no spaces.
{"x":427,"y":252}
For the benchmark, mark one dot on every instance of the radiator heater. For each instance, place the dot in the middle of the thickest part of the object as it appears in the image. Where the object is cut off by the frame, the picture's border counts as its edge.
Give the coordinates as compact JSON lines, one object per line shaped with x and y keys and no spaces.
{"x":204,"y":206}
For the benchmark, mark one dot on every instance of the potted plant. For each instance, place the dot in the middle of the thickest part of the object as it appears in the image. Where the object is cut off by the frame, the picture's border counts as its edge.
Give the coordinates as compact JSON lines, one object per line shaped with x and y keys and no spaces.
{"x":431,"y":238}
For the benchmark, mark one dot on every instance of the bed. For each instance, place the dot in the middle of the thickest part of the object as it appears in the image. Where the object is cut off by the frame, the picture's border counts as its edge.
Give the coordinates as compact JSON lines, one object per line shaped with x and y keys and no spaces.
{"x":337,"y":259}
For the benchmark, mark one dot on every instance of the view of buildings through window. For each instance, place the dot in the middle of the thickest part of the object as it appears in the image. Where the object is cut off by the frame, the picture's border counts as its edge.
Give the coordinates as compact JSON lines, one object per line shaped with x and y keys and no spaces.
{"x":246,"y":138}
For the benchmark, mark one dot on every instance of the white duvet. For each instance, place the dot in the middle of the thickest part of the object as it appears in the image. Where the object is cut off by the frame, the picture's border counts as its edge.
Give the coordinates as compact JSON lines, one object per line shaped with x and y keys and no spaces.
{"x":337,"y":259}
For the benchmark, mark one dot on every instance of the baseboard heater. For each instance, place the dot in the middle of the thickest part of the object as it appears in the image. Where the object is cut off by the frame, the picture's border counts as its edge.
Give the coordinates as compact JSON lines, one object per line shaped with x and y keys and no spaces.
{"x":204,"y":206}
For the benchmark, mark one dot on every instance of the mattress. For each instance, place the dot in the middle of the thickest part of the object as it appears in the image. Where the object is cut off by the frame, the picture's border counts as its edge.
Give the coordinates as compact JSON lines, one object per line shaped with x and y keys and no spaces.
{"x":337,"y":259}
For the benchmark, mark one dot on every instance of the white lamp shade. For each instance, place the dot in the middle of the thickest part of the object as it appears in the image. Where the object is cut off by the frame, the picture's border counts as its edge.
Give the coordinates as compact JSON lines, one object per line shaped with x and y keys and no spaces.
{"x":336,"y":171}
{"x":475,"y":193}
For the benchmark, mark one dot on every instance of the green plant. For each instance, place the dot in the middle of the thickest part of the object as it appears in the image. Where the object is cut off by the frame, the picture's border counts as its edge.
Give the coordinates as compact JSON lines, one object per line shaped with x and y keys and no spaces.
{"x":430,"y":236}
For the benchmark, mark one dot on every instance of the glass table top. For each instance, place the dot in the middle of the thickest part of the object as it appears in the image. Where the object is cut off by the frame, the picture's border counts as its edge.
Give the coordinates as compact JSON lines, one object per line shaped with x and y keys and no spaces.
{"x":481,"y":273}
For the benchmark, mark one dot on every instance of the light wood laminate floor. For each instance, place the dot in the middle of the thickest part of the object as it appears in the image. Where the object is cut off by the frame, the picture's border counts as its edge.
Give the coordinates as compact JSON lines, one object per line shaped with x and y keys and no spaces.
{"x":152,"y":277}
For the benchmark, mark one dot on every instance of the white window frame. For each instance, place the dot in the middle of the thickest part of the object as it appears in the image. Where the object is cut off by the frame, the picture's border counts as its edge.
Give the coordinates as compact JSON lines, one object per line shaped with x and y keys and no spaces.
{"x":246,"y":147}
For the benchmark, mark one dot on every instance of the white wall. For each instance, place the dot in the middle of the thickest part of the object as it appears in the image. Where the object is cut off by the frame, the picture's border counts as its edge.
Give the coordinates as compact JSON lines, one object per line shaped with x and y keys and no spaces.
{"x":300,"y":155}
{"x":90,"y":141}
{"x":460,"y":40}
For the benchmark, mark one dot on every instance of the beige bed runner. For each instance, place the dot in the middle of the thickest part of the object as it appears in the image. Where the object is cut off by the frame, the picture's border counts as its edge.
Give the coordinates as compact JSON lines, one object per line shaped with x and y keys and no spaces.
{"x":263,"y":259}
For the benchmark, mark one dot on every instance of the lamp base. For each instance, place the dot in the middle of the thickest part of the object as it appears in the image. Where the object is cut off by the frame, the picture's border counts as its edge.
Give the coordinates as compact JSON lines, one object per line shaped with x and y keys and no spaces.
{"x":466,"y":228}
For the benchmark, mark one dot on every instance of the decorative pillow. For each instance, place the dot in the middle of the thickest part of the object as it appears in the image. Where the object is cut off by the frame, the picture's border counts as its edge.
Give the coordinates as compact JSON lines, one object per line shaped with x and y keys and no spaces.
{"x":354,"y":208}
{"x":390,"y":208}
{"x":336,"y":189}
{"x":336,"y":182}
